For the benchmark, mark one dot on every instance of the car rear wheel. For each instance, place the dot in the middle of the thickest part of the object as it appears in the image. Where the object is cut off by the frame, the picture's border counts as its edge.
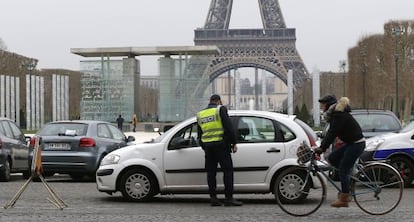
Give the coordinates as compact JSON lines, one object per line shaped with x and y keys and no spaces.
{"x":77,"y":176}
{"x":5,"y":173}
{"x":138,"y":185}
{"x":405,"y":167}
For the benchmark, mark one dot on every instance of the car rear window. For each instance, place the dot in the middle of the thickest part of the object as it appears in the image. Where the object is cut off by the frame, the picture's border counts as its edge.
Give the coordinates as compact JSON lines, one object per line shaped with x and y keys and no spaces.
{"x":308,"y":130}
{"x":377,"y":122}
{"x":62,"y":129}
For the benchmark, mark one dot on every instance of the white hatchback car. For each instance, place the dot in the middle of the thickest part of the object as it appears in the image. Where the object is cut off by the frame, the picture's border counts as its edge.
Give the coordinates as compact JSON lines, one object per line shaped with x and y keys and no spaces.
{"x":173,"y":163}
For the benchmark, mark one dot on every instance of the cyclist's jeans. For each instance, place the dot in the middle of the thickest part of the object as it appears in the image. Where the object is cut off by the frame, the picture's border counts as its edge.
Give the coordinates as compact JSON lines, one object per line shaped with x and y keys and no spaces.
{"x":344,"y":159}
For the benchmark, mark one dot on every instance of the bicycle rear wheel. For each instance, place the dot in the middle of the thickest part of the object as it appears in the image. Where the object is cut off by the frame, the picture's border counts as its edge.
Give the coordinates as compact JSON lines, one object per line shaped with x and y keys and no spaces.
{"x":377,"y":189}
{"x":297,"y":193}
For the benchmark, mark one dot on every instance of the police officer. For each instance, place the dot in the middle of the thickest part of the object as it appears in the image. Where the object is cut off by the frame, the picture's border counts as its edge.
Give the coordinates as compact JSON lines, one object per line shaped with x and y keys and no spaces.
{"x":217,"y":138}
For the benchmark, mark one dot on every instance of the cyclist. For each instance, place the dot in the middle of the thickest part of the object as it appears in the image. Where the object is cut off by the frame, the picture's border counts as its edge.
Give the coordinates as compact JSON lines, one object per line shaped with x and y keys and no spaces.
{"x":347,"y":129}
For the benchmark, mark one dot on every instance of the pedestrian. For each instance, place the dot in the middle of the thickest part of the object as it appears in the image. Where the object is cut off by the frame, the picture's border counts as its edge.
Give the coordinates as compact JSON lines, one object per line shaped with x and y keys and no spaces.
{"x":134,"y":122}
{"x":347,"y":129}
{"x":120,"y":122}
{"x":217,"y":138}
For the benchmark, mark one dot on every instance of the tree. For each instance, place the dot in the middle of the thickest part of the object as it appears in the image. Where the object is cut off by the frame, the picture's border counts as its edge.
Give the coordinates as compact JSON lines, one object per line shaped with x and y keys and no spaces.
{"x":3,"y":45}
{"x":306,"y":117}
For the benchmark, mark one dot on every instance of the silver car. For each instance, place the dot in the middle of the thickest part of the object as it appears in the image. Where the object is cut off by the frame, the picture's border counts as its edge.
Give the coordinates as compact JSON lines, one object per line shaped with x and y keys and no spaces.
{"x":13,"y":150}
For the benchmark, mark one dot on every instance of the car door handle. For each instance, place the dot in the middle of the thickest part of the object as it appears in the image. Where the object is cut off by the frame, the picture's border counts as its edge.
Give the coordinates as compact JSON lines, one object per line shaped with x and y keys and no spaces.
{"x":273,"y":150}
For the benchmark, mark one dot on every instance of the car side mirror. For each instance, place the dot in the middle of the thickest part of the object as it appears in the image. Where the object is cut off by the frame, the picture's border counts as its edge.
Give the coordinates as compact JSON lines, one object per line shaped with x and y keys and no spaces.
{"x":177,"y":143}
{"x":130,"y":139}
{"x":27,"y":139}
{"x":320,"y":134}
{"x":156,"y":129}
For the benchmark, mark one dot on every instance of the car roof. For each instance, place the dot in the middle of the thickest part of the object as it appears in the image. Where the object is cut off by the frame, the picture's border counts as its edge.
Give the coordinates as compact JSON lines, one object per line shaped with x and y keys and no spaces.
{"x":261,"y":113}
{"x":79,"y":121}
{"x":372,"y":111}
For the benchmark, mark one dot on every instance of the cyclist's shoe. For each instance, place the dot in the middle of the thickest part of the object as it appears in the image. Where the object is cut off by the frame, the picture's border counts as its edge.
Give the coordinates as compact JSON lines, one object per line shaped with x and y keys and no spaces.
{"x":349,"y":197}
{"x":342,"y":201}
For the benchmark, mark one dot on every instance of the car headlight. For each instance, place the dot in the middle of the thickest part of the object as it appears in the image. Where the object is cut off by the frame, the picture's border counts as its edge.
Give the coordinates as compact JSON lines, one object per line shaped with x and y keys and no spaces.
{"x":373,"y":144}
{"x":110,"y":159}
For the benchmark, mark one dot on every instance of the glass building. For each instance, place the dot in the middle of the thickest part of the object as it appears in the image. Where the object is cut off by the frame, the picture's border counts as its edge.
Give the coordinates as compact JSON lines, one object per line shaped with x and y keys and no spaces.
{"x":108,"y":89}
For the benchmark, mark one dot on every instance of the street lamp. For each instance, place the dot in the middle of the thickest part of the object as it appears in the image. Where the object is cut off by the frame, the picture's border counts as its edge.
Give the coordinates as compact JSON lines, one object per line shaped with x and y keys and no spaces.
{"x":396,"y":32}
{"x":29,"y":65}
{"x":363,"y":52}
{"x":342,"y":65}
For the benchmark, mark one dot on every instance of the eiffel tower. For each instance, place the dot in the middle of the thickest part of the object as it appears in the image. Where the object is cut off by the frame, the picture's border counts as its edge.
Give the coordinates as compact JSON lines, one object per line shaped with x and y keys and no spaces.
{"x":271,"y":48}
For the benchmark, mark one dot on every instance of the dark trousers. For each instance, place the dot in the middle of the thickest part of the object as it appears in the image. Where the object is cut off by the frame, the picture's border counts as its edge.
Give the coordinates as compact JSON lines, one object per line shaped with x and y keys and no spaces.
{"x":215,"y":155}
{"x":344,"y":159}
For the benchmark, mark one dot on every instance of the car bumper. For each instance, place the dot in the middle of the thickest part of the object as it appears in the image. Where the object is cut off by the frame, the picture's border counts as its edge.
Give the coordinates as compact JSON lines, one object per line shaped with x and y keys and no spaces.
{"x":106,"y":177}
{"x":76,"y":162}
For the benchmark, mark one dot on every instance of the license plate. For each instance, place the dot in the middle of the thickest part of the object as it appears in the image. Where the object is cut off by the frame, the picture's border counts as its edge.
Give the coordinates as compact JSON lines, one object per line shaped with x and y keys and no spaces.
{"x":57,"y":146}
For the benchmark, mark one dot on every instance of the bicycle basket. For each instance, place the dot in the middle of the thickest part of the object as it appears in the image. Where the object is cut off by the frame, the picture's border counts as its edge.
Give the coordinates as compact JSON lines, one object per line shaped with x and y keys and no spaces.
{"x":304,"y":153}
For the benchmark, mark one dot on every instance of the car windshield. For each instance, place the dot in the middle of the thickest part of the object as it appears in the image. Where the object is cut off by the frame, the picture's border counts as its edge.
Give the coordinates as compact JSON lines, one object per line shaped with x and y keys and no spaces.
{"x":408,"y":127}
{"x":64,"y":129}
{"x":159,"y":138}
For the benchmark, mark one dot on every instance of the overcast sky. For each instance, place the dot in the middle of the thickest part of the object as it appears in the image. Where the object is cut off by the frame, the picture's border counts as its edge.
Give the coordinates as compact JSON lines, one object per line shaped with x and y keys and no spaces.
{"x":47,"y":29}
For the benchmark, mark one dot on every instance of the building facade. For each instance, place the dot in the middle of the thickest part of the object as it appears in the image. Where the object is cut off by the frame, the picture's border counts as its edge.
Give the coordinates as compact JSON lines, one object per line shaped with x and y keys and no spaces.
{"x":32,"y":97}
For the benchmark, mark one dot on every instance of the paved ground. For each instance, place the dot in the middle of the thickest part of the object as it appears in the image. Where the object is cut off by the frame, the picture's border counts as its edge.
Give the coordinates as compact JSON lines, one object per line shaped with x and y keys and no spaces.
{"x":85,"y":203}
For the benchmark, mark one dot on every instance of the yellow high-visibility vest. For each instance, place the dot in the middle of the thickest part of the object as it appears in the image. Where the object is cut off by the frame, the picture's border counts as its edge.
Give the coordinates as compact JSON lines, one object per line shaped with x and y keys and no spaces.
{"x":209,"y":121}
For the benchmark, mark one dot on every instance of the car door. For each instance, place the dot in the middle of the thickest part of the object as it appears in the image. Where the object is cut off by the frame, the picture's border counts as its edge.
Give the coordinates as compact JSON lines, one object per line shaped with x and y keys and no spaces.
{"x":184,"y":160}
{"x":110,"y":136}
{"x":11,"y":145}
{"x":260,"y":146}
{"x":21,"y":150}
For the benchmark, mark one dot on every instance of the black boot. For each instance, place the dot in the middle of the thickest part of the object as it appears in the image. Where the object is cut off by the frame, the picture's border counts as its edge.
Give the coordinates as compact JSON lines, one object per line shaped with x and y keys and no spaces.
{"x":215,"y":202}
{"x":232,"y":202}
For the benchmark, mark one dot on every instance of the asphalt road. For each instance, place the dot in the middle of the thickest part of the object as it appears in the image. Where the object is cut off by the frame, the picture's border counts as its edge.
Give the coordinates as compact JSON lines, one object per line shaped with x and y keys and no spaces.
{"x":85,"y":203}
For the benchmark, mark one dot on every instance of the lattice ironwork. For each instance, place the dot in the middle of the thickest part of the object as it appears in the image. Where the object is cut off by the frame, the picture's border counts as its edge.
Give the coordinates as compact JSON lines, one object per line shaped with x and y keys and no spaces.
{"x":271,"y":48}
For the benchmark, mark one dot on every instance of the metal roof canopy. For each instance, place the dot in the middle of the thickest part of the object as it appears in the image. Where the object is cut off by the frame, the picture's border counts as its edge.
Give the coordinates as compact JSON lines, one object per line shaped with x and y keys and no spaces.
{"x":145,"y":51}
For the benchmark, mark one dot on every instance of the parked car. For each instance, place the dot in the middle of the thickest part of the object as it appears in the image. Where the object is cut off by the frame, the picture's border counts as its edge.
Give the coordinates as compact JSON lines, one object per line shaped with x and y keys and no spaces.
{"x":376,"y":122}
{"x":397,"y":147}
{"x":77,"y":147}
{"x":13,"y":150}
{"x":174,"y":162}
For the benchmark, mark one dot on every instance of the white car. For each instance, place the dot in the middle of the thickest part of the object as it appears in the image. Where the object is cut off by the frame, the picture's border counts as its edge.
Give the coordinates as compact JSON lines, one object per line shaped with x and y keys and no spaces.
{"x":396,"y":147}
{"x":174,"y":162}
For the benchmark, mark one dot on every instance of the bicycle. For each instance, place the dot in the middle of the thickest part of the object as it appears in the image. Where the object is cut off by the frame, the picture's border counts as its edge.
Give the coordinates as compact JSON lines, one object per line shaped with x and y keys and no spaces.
{"x":376,"y":187}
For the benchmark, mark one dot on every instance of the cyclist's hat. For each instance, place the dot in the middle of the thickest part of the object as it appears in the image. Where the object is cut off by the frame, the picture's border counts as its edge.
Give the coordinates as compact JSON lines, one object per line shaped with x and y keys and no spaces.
{"x":328,"y":99}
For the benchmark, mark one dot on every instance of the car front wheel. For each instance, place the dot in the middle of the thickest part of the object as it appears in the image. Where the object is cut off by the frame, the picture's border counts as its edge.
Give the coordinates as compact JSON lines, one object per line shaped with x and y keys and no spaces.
{"x":287,"y":185}
{"x":138,"y":185}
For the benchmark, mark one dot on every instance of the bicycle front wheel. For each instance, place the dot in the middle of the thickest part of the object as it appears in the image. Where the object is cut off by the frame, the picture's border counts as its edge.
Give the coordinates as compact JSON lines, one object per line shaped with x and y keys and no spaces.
{"x":298,"y":193}
{"x":377,"y":188}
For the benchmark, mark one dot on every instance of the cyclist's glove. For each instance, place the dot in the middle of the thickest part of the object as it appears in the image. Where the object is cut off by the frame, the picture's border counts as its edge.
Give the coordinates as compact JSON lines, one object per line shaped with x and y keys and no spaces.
{"x":319,"y":150}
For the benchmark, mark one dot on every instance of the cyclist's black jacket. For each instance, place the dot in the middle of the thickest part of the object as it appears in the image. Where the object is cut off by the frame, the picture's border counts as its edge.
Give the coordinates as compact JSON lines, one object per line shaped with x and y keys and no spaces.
{"x":344,"y":126}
